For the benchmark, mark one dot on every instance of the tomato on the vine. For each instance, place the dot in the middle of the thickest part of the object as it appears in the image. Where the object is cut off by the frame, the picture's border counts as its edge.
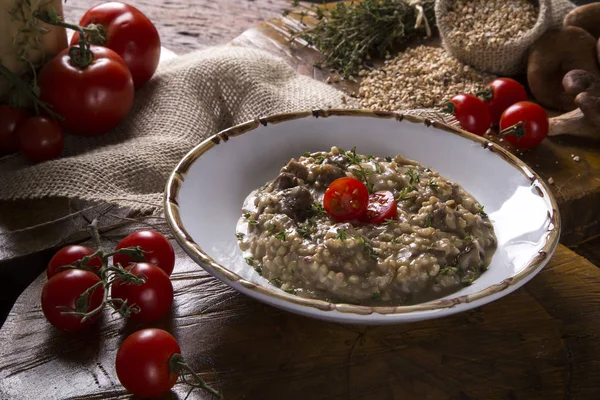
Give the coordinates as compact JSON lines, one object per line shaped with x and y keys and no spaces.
{"x":70,"y":255}
{"x":157,"y":250}
{"x":143,"y":362}
{"x":93,"y":93}
{"x":500,"y":94}
{"x":346,"y":199}
{"x":129,"y":33}
{"x":154,"y":297}
{"x":382,"y":206}
{"x":524,"y":124}
{"x":40,"y":139}
{"x":471,"y":113}
{"x":61,"y":294}
{"x":10,"y":119}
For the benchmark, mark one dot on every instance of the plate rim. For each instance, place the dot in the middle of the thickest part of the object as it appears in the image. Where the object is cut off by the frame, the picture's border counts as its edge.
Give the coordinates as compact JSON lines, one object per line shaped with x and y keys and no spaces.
{"x":177,"y":177}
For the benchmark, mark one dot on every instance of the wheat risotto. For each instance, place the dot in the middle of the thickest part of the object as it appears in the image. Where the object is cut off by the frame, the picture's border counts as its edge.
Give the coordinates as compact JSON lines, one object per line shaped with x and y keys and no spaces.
{"x":434,"y":238}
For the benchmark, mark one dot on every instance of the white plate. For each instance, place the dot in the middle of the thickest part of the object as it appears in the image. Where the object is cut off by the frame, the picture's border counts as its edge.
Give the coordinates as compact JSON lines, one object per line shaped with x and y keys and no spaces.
{"x":205,"y":192}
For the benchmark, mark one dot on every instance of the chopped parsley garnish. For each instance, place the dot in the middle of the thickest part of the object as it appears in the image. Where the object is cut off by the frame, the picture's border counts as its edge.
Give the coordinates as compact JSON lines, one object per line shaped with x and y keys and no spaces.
{"x":281,"y":235}
{"x":467,"y":281}
{"x":376,"y":295}
{"x":258,"y":270}
{"x":252,"y":222}
{"x":402,"y":194}
{"x":378,"y":167}
{"x":370,"y":157}
{"x":247,"y":215}
{"x":307,"y":154}
{"x":428,"y":221}
{"x":306,"y":229}
{"x":318,"y":208}
{"x":276,"y":281}
{"x":239,"y":235}
{"x":368,"y":249}
{"x":351,"y":155}
{"x":319,"y":159}
{"x":249,"y":260}
{"x":413,"y":176}
{"x":271,"y":228}
{"x":481,"y":212}
{"x":432,"y":185}
{"x":388,"y":159}
{"x":341,"y":234}
{"x":447,"y":270}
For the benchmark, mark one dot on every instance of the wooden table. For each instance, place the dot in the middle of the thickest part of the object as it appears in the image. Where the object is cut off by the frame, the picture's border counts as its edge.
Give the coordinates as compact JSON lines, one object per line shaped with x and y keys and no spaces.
{"x":540,"y":342}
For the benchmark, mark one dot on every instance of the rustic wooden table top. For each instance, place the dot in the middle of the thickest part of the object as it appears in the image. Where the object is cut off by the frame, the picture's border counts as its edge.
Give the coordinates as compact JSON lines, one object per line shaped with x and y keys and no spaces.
{"x":540,"y":342}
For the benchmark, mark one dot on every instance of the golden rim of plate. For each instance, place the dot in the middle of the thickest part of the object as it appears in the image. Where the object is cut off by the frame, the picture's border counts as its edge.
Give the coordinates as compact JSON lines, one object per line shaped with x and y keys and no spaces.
{"x":177,"y":177}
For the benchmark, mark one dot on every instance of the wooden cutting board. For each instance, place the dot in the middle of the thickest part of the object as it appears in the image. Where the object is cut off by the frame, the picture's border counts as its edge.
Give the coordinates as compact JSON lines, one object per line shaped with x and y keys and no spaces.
{"x":576,"y":184}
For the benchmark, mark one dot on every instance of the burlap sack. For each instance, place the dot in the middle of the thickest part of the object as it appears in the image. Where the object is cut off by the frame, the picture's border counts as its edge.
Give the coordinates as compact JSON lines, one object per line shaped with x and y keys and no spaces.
{"x":509,"y":59}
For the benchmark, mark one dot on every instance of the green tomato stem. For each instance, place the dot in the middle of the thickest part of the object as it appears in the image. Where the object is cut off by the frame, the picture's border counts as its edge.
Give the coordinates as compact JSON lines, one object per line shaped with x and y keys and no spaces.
{"x":179,"y":366}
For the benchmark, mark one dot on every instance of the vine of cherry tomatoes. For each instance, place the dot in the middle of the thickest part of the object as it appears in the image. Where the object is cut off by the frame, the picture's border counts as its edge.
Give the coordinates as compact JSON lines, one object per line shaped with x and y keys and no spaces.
{"x":87,"y":89}
{"x":502,"y":103}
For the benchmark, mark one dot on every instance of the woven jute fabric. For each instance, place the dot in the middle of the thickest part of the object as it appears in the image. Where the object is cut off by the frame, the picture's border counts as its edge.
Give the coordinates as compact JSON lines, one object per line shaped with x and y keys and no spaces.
{"x":510,"y":58}
{"x":189,"y":99}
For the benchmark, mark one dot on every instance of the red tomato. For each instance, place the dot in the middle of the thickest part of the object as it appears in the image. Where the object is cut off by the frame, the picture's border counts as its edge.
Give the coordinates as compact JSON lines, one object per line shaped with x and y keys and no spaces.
{"x":63,"y":290}
{"x":10,"y":119}
{"x":528,"y":123}
{"x":501,"y":94}
{"x":69,"y":256}
{"x":157,"y":248}
{"x":382,"y":206}
{"x":142,"y":362}
{"x":92,"y":100}
{"x":346,"y":199}
{"x":154,"y":297}
{"x":471,"y":112}
{"x":127,"y":32}
{"x":40,"y":139}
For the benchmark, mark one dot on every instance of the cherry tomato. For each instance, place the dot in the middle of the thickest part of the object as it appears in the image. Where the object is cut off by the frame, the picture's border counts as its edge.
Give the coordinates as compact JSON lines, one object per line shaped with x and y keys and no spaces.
{"x":40,"y":139}
{"x":129,"y":33}
{"x":92,"y":100}
{"x":142,"y":362}
{"x":10,"y":119}
{"x":69,"y":256}
{"x":501,"y":94}
{"x":382,"y":206}
{"x":529,"y":124}
{"x":471,"y":112}
{"x":157,"y":248}
{"x":346,"y":199}
{"x":154,"y":297}
{"x":63,"y":290}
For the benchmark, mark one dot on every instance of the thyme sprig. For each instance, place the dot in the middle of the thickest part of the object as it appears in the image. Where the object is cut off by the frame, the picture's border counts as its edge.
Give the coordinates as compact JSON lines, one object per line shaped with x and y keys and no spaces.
{"x":351,"y":33}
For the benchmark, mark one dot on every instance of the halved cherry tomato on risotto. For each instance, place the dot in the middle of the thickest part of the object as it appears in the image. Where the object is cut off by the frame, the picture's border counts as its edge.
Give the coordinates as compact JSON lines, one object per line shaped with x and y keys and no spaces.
{"x":346,"y":199}
{"x":382,"y":206}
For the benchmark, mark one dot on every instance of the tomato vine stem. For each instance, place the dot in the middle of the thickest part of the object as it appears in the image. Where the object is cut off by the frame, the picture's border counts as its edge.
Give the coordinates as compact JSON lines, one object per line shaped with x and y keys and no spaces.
{"x":178,"y":365}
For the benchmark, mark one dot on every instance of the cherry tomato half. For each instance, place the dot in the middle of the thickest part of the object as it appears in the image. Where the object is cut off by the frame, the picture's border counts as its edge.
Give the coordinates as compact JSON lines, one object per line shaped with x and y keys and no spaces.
{"x":471,"y":112}
{"x":154,"y":297}
{"x":92,"y":100}
{"x":157,"y":250}
{"x":142,"y":362}
{"x":69,"y":255}
{"x":10,"y":119}
{"x":40,"y":139}
{"x":129,"y":33}
{"x":382,"y":206}
{"x":529,"y":123}
{"x":501,"y":94}
{"x":346,"y":199}
{"x":63,"y":290}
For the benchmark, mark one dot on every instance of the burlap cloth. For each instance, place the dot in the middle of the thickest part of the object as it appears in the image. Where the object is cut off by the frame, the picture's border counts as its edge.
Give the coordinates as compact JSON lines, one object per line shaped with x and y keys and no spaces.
{"x":510,"y":58}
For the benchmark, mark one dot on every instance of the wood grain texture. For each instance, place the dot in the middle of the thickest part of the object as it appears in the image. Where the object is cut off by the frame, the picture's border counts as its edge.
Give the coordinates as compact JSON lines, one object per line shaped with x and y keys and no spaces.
{"x":540,"y":342}
{"x":186,"y":25}
{"x":576,"y":184}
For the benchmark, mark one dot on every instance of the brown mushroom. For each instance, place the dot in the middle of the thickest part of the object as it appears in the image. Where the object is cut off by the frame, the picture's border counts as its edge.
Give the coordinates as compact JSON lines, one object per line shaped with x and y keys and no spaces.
{"x":554,"y":54}
{"x":584,"y":121}
{"x":585,"y":17}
